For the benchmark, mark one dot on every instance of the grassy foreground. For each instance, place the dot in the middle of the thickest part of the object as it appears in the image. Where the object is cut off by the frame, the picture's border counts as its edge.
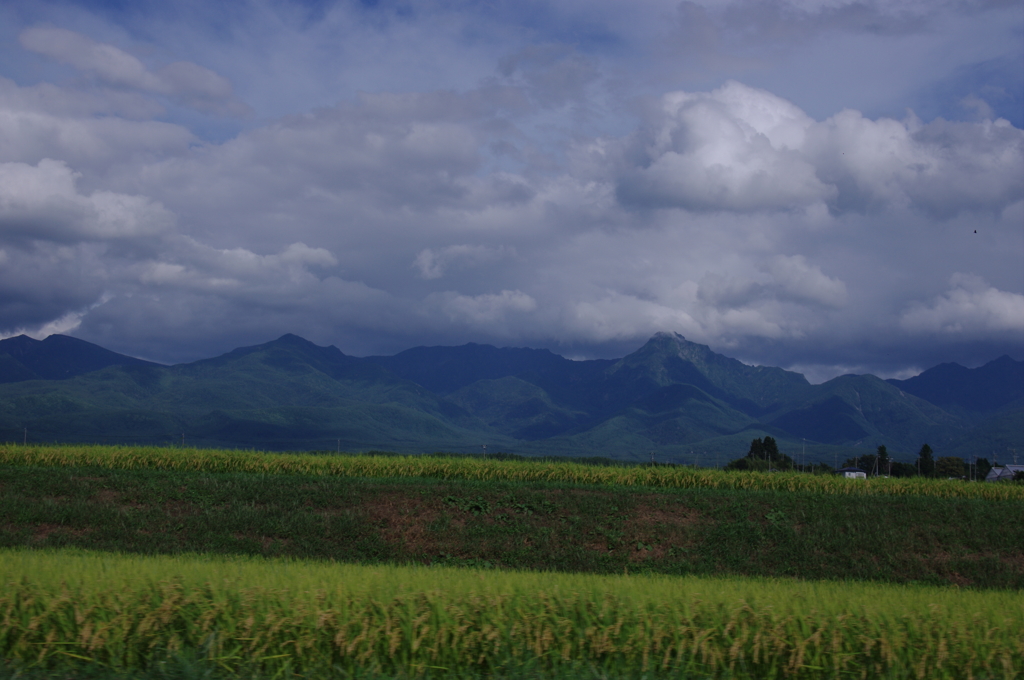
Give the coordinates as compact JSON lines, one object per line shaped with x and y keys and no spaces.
{"x":212,"y":460}
{"x":273,"y":617}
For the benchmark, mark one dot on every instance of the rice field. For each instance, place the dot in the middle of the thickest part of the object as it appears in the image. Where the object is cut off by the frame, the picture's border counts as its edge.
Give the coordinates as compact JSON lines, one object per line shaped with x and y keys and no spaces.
{"x":211,"y":460}
{"x":320,"y":619}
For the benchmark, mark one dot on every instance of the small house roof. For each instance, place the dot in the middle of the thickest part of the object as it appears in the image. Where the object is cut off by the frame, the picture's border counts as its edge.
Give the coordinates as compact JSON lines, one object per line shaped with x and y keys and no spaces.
{"x":851,"y":469}
{"x":1002,"y":472}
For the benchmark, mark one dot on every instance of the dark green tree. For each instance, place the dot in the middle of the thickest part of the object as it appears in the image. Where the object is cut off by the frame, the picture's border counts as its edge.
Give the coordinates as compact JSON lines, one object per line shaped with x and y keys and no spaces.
{"x":749,"y":464}
{"x":882,"y":461}
{"x":767,"y":452}
{"x":949,"y":466}
{"x":903,"y":469}
{"x":925,"y":462}
{"x":983,"y":468}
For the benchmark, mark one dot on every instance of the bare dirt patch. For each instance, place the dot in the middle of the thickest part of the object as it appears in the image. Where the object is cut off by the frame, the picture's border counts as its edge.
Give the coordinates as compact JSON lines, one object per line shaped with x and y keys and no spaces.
{"x":106,"y":496}
{"x":958,"y":580}
{"x":179,"y":509}
{"x":41,"y":532}
{"x":109,"y":497}
{"x":406,"y":521}
{"x":654,"y":527}
{"x":941,"y":559}
{"x":675,"y":516}
{"x":265,"y":542}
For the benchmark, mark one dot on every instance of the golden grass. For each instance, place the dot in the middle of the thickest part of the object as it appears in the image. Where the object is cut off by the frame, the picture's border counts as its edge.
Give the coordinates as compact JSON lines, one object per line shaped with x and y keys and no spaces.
{"x":213,"y":460}
{"x":293,"y":616}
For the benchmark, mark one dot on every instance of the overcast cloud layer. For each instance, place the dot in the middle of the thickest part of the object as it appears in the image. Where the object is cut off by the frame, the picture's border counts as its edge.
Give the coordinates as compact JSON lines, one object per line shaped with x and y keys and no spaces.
{"x":827,"y":185}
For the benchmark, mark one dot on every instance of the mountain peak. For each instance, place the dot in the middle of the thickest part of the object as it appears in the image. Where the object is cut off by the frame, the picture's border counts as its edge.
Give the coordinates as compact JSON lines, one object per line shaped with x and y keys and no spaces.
{"x":299,"y":342}
{"x":57,"y":357}
{"x":18,"y":344}
{"x":669,"y":358}
{"x":664,"y":344}
{"x":292,"y":339}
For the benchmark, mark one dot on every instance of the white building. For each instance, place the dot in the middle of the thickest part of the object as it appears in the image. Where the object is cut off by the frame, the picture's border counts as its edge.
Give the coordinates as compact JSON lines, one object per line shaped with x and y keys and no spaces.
{"x":852,"y":473}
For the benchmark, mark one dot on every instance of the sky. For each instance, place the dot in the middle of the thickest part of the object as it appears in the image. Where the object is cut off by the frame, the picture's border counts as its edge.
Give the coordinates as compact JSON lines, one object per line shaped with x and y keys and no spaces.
{"x":830,"y":186}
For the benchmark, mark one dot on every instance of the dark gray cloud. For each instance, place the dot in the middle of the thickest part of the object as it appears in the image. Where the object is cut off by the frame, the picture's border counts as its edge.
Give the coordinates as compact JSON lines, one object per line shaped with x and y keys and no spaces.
{"x":403,"y":180}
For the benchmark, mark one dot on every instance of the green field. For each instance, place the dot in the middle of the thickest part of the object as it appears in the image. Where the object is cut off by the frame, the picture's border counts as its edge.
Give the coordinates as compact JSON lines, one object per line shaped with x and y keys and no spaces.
{"x":243,"y":564}
{"x":468,"y":468}
{"x":518,"y":525}
{"x":267,"y":617}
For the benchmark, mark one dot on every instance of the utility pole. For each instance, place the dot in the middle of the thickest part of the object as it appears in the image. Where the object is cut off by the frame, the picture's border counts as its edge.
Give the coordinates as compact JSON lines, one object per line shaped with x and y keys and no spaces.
{"x":182,"y":440}
{"x":803,"y":455}
{"x":339,"y":446}
{"x":25,"y":441}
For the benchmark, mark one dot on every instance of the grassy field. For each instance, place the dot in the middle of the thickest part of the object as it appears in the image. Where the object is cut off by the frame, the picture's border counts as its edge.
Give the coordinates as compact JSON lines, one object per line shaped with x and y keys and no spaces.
{"x":251,"y":617}
{"x":243,"y":564}
{"x":518,"y":525}
{"x":210,"y":460}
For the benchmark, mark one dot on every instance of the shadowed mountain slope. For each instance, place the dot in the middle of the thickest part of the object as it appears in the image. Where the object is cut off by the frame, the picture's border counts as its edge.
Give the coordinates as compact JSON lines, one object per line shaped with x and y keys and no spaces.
{"x":671,"y":397}
{"x":862,"y":409}
{"x":446,"y":369}
{"x":58,"y":357}
{"x":288,"y":393}
{"x":982,"y":390}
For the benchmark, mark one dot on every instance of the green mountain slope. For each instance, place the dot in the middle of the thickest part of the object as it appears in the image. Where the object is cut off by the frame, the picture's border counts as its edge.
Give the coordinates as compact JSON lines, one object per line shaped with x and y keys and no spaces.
{"x":673,"y":417}
{"x":568,"y":398}
{"x":287,"y":393}
{"x":671,"y":397}
{"x":668,"y":358}
{"x":517,"y":408}
{"x":857,"y":410}
{"x":999,"y":437}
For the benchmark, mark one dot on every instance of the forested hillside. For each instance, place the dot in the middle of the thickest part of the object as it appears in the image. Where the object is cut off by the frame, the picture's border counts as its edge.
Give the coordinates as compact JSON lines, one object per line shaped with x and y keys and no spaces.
{"x":671,"y":399}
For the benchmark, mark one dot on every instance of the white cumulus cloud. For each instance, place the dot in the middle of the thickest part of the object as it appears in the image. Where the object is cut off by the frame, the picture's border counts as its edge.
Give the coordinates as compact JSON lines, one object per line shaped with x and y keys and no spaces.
{"x":478,"y":310}
{"x":969,"y":309}
{"x":802,"y":282}
{"x":735,"y":148}
{"x":739,"y":148}
{"x":42,"y":202}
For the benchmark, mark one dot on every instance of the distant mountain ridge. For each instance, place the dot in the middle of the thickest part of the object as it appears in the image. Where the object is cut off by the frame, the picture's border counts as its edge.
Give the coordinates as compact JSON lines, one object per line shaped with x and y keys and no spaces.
{"x":987,"y":389}
{"x":57,"y":357}
{"x":671,"y":398}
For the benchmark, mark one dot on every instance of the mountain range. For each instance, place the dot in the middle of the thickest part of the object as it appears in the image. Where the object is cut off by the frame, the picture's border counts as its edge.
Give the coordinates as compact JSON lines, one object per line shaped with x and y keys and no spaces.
{"x":671,"y":399}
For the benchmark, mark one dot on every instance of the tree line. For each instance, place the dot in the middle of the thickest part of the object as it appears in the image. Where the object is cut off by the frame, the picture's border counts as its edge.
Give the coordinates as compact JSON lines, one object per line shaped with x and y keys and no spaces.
{"x":764,"y":456}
